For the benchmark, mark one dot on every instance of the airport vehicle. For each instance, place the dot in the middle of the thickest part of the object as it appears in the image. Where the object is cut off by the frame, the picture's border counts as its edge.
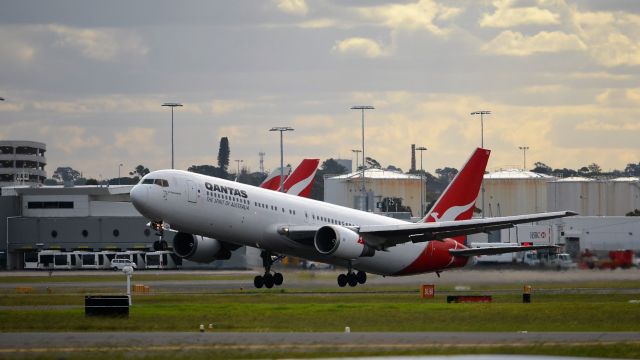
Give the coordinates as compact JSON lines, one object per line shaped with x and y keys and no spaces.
{"x":135,"y":256}
{"x":119,"y":264}
{"x":560,"y":261}
{"x":213,"y":216}
{"x":30,"y":260}
{"x":162,"y":260}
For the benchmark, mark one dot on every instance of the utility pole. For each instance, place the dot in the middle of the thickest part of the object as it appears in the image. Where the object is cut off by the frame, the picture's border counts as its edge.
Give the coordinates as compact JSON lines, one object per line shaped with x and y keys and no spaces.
{"x":172,"y":105}
{"x":261,"y":154}
{"x":281,"y":129}
{"x":363,"y":190}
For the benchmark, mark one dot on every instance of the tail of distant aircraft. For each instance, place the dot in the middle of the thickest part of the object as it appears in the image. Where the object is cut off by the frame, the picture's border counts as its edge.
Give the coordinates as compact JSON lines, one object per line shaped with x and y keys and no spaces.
{"x":458,"y":199}
{"x":272,"y":182}
{"x":301,"y":179}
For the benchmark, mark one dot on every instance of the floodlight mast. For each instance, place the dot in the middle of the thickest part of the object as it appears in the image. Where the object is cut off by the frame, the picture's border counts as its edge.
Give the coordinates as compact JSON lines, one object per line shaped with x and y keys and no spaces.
{"x":172,"y":105}
{"x":281,"y":129}
{"x":524,"y":154}
{"x":421,"y":149}
{"x":364,"y":204}
{"x":482,"y":113}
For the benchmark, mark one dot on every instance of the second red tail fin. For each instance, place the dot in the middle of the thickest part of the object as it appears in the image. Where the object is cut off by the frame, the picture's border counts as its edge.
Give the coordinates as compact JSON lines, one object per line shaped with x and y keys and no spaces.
{"x":458,"y":199}
{"x":301,"y":179}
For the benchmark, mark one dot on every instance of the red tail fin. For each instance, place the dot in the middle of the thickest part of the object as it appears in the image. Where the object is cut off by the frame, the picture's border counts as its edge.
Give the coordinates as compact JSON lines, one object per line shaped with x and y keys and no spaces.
{"x":301,"y":179}
{"x":272,"y":182}
{"x":458,"y":199}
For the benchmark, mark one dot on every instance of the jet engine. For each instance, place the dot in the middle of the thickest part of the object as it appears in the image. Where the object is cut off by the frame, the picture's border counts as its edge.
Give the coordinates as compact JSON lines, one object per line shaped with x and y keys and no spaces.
{"x":341,"y":242}
{"x":199,"y":248}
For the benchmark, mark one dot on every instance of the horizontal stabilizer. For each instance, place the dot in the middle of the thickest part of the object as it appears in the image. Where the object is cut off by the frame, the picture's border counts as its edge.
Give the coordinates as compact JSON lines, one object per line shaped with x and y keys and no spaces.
{"x":498,"y":250}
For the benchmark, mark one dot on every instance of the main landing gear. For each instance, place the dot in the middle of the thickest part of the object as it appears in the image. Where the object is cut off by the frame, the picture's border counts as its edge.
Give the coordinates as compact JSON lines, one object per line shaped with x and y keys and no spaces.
{"x":159,"y":244}
{"x":268,"y":280}
{"x":352,"y":278}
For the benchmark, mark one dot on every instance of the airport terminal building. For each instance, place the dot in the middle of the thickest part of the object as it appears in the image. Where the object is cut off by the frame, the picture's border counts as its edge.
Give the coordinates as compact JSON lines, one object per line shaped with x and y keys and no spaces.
{"x":80,"y":218}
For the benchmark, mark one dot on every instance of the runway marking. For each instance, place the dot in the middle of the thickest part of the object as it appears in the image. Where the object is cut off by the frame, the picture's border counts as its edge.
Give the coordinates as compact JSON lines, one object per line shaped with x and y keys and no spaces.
{"x":303,"y":346}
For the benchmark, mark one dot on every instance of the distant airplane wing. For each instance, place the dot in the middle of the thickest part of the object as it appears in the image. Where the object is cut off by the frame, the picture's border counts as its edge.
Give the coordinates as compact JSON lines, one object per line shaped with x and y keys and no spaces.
{"x":498,"y":250}
{"x":385,"y":236}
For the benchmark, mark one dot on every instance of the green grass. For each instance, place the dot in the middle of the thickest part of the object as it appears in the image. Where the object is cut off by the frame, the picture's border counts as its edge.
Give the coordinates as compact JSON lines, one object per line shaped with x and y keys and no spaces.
{"x":362,"y":312}
{"x":115,"y":276}
{"x":617,"y":350}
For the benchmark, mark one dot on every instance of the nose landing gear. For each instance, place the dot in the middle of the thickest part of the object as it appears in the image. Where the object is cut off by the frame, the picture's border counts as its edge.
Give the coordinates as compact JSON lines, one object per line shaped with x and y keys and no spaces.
{"x":159,"y":244}
{"x":268,"y":280}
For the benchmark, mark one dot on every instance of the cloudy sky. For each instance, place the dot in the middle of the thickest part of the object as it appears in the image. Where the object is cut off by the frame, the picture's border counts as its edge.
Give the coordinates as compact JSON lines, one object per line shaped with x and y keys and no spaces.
{"x":88,"y":78}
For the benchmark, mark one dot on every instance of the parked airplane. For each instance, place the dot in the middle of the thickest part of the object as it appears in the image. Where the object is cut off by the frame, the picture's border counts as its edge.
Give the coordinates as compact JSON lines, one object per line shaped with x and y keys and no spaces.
{"x":212,"y":217}
{"x":299,"y":182}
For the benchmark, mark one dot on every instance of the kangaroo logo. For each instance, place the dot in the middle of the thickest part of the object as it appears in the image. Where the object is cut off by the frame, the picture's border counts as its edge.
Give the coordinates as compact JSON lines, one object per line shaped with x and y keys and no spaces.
{"x":452,"y":213}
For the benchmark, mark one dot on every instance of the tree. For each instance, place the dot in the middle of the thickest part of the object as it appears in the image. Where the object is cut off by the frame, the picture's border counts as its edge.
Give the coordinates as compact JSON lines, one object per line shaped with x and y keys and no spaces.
{"x":447,"y":174}
{"x":372,"y":163}
{"x":66,"y":174}
{"x":564,"y":173}
{"x":542,"y":168}
{"x":139,"y":171}
{"x":632,"y":170}
{"x":223,"y":154}
{"x":393,"y":168}
{"x":209,"y":170}
{"x":91,"y":182}
{"x":594,"y":169}
{"x":329,"y":167}
{"x":393,"y":204}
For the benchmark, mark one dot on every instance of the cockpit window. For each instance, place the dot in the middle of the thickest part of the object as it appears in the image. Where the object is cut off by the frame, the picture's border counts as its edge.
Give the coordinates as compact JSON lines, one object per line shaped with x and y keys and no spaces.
{"x":159,"y":182}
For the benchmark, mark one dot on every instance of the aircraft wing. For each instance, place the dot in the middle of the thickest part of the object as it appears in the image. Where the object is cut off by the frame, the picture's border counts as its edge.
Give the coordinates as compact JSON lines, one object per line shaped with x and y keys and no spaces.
{"x":498,"y":250}
{"x":385,"y":236}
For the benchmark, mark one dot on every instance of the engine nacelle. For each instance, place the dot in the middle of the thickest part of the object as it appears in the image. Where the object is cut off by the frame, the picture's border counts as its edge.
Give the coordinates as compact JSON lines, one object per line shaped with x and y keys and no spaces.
{"x":199,"y":248}
{"x":341,"y":242}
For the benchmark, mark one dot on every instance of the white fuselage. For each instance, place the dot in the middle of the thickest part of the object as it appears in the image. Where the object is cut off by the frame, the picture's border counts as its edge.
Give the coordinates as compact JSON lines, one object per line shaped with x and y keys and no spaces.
{"x":251,"y":216}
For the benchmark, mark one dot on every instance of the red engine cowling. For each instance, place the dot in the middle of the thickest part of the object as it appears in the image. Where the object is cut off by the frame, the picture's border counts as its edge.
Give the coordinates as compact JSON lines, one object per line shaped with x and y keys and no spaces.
{"x":199,"y":248}
{"x":341,"y":242}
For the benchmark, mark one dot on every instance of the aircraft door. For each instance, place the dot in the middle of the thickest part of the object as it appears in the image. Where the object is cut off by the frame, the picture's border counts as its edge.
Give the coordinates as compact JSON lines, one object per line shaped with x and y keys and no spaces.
{"x":192,"y":192}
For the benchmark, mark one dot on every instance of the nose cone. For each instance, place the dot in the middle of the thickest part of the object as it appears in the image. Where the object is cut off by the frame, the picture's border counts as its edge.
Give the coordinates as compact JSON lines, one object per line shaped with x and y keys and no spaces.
{"x":139,"y":197}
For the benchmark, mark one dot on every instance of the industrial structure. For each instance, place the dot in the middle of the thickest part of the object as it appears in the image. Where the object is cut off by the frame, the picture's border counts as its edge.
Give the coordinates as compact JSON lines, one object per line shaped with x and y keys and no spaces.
{"x":514,"y":192}
{"x":381,"y":184}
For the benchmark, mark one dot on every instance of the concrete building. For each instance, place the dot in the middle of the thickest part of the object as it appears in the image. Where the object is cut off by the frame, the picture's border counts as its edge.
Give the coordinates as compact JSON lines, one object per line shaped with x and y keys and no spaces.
{"x":590,"y":197}
{"x":22,"y":162}
{"x":345,"y":190}
{"x":514,"y":192}
{"x":89,"y":218}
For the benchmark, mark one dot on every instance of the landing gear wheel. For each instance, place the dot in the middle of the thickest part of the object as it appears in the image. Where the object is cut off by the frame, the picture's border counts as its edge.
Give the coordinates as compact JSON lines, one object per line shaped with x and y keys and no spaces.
{"x":268,"y":281}
{"x":156,"y":245}
{"x":362,"y":277}
{"x":352,"y":279}
{"x":258,"y":282}
{"x":163,"y":245}
{"x":277,"y":279}
{"x":342,"y":280}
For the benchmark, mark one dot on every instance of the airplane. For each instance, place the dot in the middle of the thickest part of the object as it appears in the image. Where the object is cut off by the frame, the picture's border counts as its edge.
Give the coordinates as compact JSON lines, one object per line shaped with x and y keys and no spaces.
{"x":299,"y":182}
{"x":212,"y":217}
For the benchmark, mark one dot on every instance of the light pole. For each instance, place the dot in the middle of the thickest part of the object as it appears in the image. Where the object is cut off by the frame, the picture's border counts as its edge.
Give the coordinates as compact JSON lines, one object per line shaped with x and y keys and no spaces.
{"x":281,"y":129}
{"x":524,"y":154}
{"x":172,"y":105}
{"x":356,"y":151}
{"x":362,"y":108}
{"x":482,"y":113}
{"x":119,"y":167}
{"x":238,"y":168}
{"x":421,"y":149}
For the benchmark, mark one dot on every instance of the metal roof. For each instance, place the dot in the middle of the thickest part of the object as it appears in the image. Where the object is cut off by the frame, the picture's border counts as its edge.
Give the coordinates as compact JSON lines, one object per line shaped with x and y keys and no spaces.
{"x":377,"y":174}
{"x":517,"y":174}
{"x":627,"y":179}
{"x":61,"y":190}
{"x":575,"y":179}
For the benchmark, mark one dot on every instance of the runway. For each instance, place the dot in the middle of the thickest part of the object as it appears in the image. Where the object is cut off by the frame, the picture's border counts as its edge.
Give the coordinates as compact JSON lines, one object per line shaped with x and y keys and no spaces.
{"x":42,"y":342}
